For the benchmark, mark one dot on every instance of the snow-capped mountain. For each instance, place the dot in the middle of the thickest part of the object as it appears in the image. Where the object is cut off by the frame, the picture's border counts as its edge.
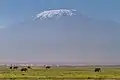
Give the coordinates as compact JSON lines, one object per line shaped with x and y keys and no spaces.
{"x":65,"y":20}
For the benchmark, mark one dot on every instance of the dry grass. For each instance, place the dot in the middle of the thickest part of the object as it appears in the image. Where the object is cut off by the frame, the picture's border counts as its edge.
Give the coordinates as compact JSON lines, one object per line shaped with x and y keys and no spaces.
{"x":60,"y":73}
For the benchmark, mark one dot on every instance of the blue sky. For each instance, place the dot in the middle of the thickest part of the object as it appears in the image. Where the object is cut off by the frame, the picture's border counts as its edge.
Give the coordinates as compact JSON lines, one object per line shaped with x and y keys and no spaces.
{"x":13,"y":12}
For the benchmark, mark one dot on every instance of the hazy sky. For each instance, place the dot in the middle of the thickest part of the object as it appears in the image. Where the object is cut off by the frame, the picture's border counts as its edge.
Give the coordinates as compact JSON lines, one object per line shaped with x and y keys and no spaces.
{"x":23,"y":45}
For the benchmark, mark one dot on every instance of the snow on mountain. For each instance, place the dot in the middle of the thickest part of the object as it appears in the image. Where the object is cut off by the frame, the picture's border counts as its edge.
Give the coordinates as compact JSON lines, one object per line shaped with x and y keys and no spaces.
{"x":55,"y":13}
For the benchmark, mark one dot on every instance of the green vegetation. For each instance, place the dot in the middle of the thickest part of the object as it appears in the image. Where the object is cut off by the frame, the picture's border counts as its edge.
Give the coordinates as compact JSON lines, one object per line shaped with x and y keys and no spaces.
{"x":59,"y":73}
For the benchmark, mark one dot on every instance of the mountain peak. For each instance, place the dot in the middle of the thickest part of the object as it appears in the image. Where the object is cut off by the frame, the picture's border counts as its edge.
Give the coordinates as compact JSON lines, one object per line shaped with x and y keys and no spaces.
{"x":55,"y":13}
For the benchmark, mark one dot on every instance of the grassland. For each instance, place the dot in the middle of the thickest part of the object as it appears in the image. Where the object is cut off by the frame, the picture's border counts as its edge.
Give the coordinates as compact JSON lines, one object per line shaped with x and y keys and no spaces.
{"x":55,"y":73}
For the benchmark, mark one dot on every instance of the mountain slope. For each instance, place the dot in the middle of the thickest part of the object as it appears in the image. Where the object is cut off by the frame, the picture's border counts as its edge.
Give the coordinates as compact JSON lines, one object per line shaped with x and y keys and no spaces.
{"x":77,"y":36}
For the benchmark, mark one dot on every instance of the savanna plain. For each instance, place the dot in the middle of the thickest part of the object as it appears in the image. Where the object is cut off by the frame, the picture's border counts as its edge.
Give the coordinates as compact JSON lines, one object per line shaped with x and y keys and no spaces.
{"x":60,"y":73}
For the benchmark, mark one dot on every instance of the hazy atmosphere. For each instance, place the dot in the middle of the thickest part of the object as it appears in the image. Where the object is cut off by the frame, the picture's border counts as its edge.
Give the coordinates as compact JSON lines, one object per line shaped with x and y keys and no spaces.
{"x":60,"y":31}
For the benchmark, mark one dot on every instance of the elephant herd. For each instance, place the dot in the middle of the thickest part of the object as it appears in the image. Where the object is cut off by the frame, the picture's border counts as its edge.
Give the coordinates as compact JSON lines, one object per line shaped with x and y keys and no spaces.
{"x":22,"y":69}
{"x":47,"y":67}
{"x":25,"y":68}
